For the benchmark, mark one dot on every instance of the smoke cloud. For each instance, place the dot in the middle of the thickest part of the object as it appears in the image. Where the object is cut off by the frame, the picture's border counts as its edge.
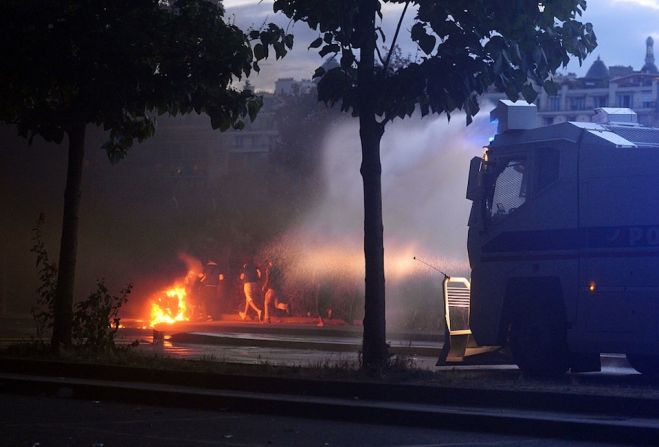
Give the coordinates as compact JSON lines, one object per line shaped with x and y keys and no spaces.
{"x":425,"y":165}
{"x":131,"y":233}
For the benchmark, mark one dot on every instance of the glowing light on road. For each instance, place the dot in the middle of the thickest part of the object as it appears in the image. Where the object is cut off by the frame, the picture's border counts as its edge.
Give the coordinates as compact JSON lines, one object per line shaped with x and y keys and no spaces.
{"x":169,"y":306}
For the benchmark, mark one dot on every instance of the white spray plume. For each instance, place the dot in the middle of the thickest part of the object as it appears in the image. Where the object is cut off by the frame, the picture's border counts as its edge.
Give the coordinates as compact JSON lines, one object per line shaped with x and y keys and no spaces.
{"x":425,"y":165}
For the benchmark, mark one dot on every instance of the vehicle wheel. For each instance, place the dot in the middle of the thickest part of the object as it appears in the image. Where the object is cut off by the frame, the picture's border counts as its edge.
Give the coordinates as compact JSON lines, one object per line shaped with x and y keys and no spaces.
{"x":645,"y":364}
{"x":538,"y":341}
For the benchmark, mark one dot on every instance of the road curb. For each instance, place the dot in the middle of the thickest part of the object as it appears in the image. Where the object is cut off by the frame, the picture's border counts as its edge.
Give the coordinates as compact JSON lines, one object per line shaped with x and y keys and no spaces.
{"x":358,"y":388}
{"x":499,"y":420}
{"x":301,"y":330}
{"x":333,"y":346}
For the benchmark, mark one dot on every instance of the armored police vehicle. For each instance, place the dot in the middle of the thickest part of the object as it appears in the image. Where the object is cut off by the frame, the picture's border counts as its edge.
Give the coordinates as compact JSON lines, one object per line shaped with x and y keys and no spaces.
{"x":564,"y":241}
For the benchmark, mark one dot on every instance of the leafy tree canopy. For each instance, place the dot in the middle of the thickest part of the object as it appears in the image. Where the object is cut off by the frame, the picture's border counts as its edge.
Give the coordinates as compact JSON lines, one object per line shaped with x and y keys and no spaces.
{"x":466,"y":46}
{"x":118,"y":63}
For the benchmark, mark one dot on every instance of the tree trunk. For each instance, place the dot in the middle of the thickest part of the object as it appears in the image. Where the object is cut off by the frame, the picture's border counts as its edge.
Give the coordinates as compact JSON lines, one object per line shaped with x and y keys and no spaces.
{"x":370,"y":131}
{"x":69,"y":243}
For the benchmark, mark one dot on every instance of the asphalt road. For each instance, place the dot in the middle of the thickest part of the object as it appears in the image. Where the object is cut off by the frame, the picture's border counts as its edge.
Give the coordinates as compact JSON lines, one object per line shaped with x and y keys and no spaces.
{"x":62,"y":421}
{"x":277,"y":344}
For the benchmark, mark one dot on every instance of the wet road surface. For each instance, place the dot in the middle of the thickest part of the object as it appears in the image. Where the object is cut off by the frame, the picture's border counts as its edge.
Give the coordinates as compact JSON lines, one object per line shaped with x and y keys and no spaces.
{"x":248,"y":337}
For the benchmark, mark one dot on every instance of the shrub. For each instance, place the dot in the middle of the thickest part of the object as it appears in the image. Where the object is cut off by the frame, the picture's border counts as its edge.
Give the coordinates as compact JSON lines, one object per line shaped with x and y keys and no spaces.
{"x":43,"y":310}
{"x":95,"y":319}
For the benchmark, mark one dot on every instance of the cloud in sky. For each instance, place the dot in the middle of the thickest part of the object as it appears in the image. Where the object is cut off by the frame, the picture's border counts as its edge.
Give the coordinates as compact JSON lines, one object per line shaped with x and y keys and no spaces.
{"x":239,"y":3}
{"x":621,"y":27}
{"x":654,"y":4}
{"x":298,"y":64}
{"x":301,"y":62}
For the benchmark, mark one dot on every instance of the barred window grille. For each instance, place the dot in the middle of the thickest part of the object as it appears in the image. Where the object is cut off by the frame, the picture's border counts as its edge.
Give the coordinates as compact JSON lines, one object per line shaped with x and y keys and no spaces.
{"x":457,"y":305}
{"x":509,"y":189}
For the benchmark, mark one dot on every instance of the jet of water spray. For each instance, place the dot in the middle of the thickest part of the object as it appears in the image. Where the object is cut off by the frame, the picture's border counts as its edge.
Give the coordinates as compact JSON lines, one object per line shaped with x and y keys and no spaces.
{"x":425,"y":169}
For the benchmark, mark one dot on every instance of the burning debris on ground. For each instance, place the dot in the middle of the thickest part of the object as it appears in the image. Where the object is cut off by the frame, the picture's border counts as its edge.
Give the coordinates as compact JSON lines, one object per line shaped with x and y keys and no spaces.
{"x":170,"y":306}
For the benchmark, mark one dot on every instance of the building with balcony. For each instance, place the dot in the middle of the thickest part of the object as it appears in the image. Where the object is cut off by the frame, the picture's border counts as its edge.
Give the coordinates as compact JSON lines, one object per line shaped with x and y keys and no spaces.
{"x":603,"y":86}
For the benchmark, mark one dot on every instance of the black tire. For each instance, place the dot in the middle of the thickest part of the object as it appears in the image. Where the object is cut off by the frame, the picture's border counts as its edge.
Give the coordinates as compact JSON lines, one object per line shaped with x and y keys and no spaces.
{"x":538,"y":340}
{"x":645,"y":364}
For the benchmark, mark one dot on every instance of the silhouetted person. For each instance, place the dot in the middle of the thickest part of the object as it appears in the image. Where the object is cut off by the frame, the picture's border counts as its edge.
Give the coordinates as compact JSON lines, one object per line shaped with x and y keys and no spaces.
{"x":198,"y":298}
{"x":211,"y":281}
{"x":250,"y":276}
{"x":272,"y":290}
{"x":324,"y":302}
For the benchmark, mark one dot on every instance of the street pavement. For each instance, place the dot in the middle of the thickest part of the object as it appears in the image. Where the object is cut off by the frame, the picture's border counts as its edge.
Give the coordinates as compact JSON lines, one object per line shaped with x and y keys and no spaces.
{"x":298,"y":342}
{"x":293,"y":341}
{"x":533,"y":413}
{"x":251,"y":349}
{"x":38,"y":421}
{"x":288,"y":341}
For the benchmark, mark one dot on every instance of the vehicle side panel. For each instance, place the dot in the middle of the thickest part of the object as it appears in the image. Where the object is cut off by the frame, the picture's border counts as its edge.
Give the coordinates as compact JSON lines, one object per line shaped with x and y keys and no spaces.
{"x":538,"y":240}
{"x":619,"y":229}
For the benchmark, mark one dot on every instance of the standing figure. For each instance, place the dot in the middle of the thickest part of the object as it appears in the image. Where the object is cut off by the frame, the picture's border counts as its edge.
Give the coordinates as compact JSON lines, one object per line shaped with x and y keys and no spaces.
{"x":211,"y":281}
{"x":323,"y":301}
{"x":197,"y":293}
{"x":272,"y":290}
{"x":250,"y":276}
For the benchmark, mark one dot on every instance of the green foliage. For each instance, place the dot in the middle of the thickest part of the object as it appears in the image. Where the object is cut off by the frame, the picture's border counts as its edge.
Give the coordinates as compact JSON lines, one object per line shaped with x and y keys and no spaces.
{"x":467,"y":46}
{"x":119,"y":63}
{"x":43,"y":310}
{"x":96,"y":319}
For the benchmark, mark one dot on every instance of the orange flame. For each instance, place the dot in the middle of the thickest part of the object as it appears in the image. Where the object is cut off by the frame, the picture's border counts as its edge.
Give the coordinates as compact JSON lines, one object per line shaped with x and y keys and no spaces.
{"x":170,"y":306}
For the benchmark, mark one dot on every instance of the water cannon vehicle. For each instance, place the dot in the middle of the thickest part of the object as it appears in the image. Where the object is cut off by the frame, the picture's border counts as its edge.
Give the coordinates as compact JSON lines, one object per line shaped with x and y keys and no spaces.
{"x":563,"y":244}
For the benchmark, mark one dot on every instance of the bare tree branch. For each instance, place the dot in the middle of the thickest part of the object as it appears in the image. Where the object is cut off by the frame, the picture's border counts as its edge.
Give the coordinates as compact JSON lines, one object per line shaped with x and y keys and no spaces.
{"x":382,"y":61}
{"x":393,"y":42}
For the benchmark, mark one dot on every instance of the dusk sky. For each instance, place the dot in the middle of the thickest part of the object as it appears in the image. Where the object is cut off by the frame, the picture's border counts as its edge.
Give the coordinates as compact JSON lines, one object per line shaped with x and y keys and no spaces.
{"x":621,"y":27}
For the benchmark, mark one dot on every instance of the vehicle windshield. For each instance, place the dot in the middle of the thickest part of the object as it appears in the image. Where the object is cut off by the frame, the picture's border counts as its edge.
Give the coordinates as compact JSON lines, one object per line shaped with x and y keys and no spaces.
{"x":506,"y":188}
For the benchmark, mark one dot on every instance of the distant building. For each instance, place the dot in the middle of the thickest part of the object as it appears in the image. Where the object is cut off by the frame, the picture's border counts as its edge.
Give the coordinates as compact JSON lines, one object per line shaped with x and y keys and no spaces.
{"x":615,"y":86}
{"x":291,"y":87}
{"x":188,"y":161}
{"x":253,"y":144}
{"x":191,"y":158}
